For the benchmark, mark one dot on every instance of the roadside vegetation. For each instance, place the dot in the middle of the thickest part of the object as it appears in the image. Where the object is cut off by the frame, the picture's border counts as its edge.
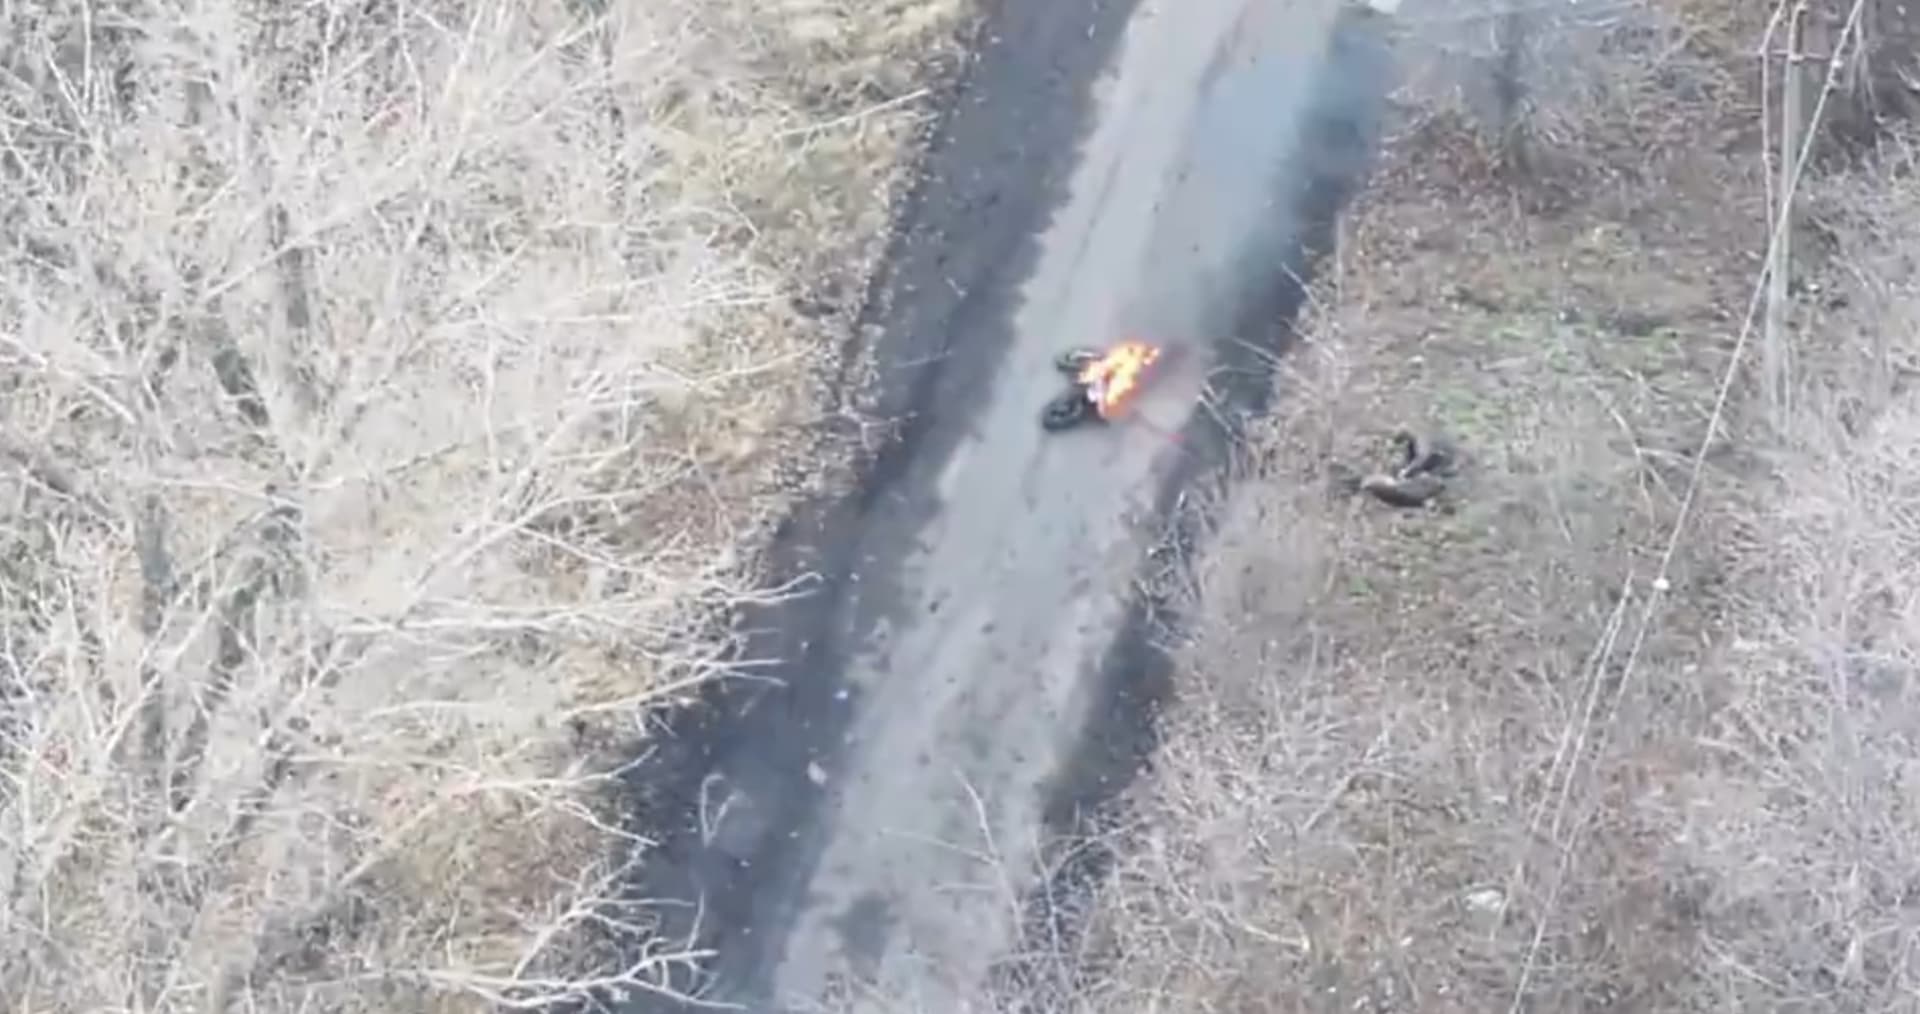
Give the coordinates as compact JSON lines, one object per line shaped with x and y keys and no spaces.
{"x":1631,"y":720}
{"x":392,"y":394}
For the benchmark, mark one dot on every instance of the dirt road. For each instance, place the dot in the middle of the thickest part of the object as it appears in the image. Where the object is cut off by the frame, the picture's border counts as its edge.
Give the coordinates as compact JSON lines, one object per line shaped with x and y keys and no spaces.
{"x":866,"y":824}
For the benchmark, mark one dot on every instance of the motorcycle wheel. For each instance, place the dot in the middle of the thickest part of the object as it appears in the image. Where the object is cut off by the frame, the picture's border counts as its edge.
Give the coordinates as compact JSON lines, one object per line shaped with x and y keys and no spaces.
{"x":1072,"y":361}
{"x":1066,"y":411}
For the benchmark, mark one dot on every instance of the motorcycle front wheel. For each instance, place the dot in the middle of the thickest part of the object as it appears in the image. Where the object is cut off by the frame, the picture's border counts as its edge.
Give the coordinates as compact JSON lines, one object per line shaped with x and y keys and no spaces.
{"x":1072,"y":361}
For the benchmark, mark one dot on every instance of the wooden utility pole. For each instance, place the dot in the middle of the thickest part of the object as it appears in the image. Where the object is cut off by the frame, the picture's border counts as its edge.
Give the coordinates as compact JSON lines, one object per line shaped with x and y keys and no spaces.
{"x":1774,"y":356}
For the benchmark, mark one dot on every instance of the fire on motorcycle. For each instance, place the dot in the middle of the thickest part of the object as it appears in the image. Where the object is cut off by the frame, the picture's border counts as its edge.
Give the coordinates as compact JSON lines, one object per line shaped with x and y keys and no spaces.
{"x":1104,"y":383}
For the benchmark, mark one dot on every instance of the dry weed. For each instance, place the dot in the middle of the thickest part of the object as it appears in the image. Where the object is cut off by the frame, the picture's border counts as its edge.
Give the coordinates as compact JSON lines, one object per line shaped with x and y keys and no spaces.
{"x":1580,"y":89}
{"x":390,"y":394}
{"x":1802,"y":816}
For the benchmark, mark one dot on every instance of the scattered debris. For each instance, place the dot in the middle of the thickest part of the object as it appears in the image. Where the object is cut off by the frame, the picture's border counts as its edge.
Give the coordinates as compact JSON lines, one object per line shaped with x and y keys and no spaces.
{"x":1486,"y":899}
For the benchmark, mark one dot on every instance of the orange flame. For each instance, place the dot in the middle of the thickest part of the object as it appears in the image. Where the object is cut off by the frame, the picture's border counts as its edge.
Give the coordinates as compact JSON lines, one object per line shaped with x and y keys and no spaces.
{"x":1115,"y":377}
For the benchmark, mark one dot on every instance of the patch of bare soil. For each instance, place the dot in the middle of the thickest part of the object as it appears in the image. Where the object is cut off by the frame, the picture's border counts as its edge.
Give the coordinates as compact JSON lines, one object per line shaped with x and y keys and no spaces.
{"x":391,"y":395}
{"x":1530,"y":749}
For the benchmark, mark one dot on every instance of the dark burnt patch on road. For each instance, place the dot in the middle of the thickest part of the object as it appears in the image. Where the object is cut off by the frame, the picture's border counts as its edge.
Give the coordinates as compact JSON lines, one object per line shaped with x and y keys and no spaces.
{"x":936,"y":322}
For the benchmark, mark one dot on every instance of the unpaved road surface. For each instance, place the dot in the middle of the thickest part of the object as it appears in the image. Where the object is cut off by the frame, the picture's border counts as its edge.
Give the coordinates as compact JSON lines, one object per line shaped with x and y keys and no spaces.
{"x":876,"y":835}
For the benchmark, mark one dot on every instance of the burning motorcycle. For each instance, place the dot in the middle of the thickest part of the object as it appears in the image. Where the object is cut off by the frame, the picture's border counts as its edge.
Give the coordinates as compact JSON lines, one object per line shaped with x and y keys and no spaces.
{"x":1103,"y":383}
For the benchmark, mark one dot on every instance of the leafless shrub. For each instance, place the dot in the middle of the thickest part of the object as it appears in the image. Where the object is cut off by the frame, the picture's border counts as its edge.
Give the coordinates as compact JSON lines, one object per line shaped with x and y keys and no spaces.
{"x":1593,"y":86}
{"x":1879,"y":83}
{"x":390,"y":396}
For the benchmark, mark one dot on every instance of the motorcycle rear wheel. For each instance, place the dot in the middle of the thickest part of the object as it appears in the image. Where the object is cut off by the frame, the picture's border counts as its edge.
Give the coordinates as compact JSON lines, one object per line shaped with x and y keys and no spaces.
{"x":1066,"y":411}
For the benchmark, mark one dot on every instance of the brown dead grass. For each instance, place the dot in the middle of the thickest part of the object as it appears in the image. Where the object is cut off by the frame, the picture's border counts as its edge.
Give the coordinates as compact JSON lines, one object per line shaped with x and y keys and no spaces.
{"x":390,"y":395}
{"x":1465,"y":760}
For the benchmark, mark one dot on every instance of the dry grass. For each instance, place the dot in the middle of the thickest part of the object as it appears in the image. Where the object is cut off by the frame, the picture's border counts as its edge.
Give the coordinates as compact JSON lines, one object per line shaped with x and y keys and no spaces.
{"x":390,"y":394}
{"x":1467,"y":760}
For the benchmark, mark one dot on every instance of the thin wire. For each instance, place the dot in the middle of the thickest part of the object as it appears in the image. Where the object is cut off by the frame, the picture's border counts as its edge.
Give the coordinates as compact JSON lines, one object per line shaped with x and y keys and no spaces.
{"x":1660,"y":584}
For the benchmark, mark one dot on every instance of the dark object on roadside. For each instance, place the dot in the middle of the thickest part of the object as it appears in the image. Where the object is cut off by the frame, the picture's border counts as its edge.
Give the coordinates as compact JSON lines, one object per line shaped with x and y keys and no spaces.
{"x":1426,"y":463}
{"x":1426,"y":455}
{"x":1403,"y":491}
